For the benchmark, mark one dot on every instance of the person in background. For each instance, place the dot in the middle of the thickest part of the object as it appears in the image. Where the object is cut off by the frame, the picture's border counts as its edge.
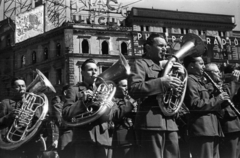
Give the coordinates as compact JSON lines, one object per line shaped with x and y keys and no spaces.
{"x":204,"y":127}
{"x":65,"y":146}
{"x":91,"y":140}
{"x":156,"y":133}
{"x":230,"y":122}
{"x":124,"y":139}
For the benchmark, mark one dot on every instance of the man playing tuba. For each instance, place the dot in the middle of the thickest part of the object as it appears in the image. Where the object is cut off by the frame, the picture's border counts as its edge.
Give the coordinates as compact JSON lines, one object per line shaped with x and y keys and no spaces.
{"x":29,"y":146}
{"x":157,"y":134}
{"x":90,"y":140}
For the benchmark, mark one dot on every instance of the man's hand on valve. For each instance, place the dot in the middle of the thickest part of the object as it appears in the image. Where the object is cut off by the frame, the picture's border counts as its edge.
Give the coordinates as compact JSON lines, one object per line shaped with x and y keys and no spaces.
{"x":173,"y":82}
{"x":87,"y":95}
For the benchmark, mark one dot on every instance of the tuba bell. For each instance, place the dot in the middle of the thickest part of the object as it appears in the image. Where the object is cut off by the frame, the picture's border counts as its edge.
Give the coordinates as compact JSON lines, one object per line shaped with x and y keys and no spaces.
{"x":171,"y":102}
{"x":100,"y":105}
{"x":25,"y":125}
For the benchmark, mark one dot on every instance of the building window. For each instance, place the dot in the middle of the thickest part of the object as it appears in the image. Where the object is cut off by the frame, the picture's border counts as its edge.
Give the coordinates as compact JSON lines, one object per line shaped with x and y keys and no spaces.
{"x":58,"y":49}
{"x":147,"y":28}
{"x":45,"y":53}
{"x":34,"y":60}
{"x":124,"y":48}
{"x":8,"y":42}
{"x":59,"y":76}
{"x":23,"y":61}
{"x":104,"y":47}
{"x":85,"y":46}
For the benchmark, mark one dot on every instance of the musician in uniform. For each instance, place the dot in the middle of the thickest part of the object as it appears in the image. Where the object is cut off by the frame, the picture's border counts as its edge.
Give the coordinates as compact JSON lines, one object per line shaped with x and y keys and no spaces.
{"x":230,"y":122}
{"x":124,"y":140}
{"x":8,"y":112}
{"x":156,"y":133}
{"x":65,"y":145}
{"x":204,"y":126}
{"x":91,"y":140}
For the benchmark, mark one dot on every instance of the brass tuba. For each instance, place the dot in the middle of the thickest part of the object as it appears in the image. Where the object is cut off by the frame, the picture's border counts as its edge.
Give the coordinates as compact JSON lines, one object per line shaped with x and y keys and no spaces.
{"x":25,"y":125}
{"x":171,"y":101}
{"x":98,"y":108}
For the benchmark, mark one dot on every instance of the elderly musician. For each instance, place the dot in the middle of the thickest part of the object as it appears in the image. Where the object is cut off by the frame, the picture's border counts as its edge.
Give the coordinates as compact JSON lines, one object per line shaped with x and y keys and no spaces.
{"x":156,"y":133}
{"x":204,"y":127}
{"x":230,"y":122}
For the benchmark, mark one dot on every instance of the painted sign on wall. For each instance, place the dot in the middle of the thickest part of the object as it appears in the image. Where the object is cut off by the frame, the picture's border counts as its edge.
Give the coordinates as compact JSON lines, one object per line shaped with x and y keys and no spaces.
{"x":29,"y":24}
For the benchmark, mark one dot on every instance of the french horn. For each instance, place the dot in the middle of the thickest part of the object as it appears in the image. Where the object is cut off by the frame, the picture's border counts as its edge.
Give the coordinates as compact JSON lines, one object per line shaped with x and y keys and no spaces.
{"x":100,"y":105}
{"x":171,"y":101}
{"x":26,"y":123}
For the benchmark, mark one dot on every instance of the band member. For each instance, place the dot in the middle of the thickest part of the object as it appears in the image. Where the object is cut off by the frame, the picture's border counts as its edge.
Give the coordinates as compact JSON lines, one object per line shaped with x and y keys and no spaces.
{"x":90,"y":140}
{"x":230,"y":122}
{"x":124,"y":140}
{"x":157,"y":133}
{"x":8,"y":112}
{"x":65,"y":147}
{"x":204,"y":127}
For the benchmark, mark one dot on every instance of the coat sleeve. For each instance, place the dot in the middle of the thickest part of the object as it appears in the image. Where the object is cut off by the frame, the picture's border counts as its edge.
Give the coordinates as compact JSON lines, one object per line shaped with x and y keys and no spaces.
{"x":57,"y":113}
{"x":120,"y":109}
{"x":197,"y":101}
{"x":139,"y":87}
{"x":5,"y":118}
{"x":73,"y":104}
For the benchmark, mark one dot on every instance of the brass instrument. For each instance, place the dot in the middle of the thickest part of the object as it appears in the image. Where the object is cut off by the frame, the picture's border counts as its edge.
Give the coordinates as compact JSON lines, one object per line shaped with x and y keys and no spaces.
{"x":171,"y":101}
{"x":25,"y":125}
{"x":98,"y":108}
{"x":220,"y":90}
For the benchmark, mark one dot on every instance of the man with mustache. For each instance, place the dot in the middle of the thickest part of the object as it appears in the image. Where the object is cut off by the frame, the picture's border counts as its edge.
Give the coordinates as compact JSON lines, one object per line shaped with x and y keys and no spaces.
{"x":204,"y":127}
{"x":230,"y":122}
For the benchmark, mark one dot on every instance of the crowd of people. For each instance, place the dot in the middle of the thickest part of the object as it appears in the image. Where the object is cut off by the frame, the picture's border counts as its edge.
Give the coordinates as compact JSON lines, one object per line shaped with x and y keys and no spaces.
{"x":207,"y":127}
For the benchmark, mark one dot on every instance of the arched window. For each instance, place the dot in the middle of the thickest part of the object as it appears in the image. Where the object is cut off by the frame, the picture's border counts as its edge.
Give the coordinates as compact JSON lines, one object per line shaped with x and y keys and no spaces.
{"x":104,"y":47}
{"x":124,"y":48}
{"x":45,"y":53}
{"x":85,"y":46}
{"x":58,"y":49}
{"x":34,"y":57}
{"x":23,"y":61}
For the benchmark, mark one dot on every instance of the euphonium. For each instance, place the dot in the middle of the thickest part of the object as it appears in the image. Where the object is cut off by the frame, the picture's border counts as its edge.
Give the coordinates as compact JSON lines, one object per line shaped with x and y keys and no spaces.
{"x":98,"y":108}
{"x":30,"y":114}
{"x":171,"y":101}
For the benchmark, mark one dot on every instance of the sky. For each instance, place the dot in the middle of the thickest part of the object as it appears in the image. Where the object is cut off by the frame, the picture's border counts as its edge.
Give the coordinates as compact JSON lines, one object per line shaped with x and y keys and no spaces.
{"x":224,"y":7}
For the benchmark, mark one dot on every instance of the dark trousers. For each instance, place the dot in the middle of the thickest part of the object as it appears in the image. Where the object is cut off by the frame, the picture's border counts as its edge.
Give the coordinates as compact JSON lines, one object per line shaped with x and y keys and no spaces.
{"x":230,"y":146}
{"x":158,"y":144}
{"x":204,"y":147}
{"x":124,"y":151}
{"x":90,"y":150}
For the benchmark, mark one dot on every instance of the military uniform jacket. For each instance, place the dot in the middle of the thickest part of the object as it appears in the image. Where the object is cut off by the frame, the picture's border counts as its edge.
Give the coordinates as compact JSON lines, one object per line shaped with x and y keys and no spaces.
{"x":47,"y":128}
{"x":203,"y":119}
{"x":145,"y":84}
{"x":73,"y":106}
{"x":230,"y":122}
{"x":123,"y":118}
